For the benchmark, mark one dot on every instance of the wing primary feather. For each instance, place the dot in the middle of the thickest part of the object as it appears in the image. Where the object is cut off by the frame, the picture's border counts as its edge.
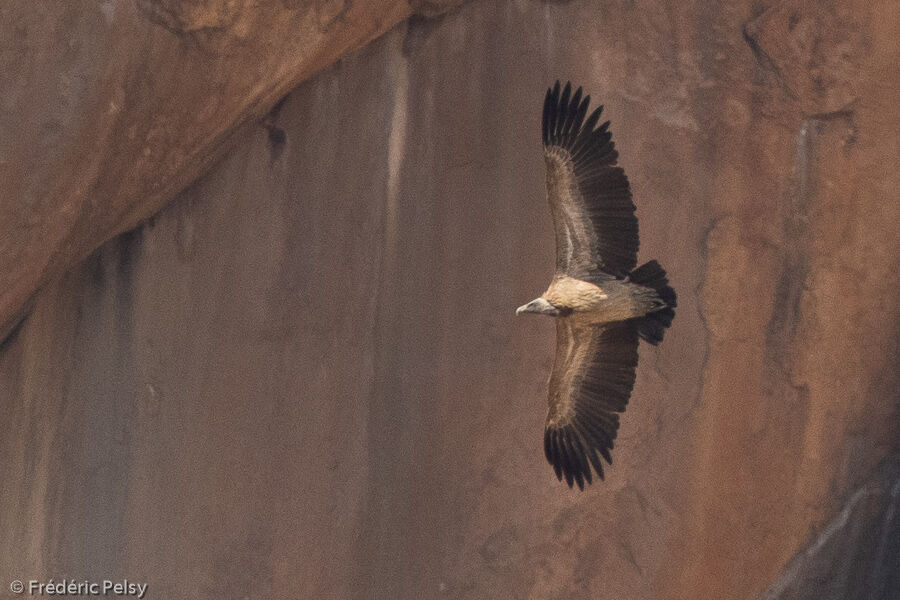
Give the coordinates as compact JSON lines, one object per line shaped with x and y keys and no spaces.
{"x":572,"y":463}
{"x":552,"y":111}
{"x":568,"y":459}
{"x":598,"y":466}
{"x":576,"y":135}
{"x":577,"y":451}
{"x":563,"y":103}
{"x":601,"y":439}
{"x":579,"y":479}
{"x":582,"y":449}
{"x":593,"y":146}
{"x":591,"y":121}
{"x":565,"y":118}
{"x":548,"y":450}
{"x":580,"y":468}
{"x":575,"y":128}
{"x":596,"y":431}
{"x":587,"y":130}
{"x":557,"y":455}
{"x":611,"y":420}
{"x":545,"y":121}
{"x":571,"y":115}
{"x":591,"y":453}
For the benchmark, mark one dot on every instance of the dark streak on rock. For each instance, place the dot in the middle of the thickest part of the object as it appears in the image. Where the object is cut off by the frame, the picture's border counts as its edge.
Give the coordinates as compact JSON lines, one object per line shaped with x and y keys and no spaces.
{"x":703,"y":255}
{"x":94,"y":265}
{"x":276,"y":135}
{"x":786,"y":318}
{"x":128,"y":248}
{"x":418,"y":29}
{"x":277,"y":141}
{"x":276,"y":109}
{"x":426,"y":17}
{"x":129,"y":244}
{"x":846,"y":115}
{"x":630,"y":556}
{"x":10,"y":331}
{"x":765,"y":61}
{"x":781,"y":331}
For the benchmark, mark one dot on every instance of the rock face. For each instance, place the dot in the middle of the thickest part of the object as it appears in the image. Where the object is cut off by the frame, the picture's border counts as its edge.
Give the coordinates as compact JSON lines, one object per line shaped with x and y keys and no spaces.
{"x":110,"y":107}
{"x":303,"y":378}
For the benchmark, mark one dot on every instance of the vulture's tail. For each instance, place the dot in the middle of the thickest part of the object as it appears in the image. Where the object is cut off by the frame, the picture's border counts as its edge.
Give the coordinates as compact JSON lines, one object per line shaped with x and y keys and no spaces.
{"x":652,"y":326}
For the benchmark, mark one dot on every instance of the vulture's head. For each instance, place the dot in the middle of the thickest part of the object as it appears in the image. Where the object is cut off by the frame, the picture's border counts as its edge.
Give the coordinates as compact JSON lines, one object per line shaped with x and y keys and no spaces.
{"x":540,"y":306}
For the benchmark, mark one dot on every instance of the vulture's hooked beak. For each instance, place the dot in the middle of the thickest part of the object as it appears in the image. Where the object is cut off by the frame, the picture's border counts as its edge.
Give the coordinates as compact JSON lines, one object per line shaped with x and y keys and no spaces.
{"x":538,"y":306}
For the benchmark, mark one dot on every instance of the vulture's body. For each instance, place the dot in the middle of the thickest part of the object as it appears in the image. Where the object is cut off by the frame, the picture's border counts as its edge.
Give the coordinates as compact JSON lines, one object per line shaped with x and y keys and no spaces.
{"x":602,"y":304}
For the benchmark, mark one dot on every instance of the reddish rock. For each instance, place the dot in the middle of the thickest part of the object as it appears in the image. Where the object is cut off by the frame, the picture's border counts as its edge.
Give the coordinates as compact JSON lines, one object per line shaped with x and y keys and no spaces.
{"x":111,"y":107}
{"x":304,"y":378}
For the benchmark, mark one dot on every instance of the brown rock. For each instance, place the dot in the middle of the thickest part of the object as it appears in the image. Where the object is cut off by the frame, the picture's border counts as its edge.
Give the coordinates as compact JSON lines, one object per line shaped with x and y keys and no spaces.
{"x":304,"y":377}
{"x":110,"y":108}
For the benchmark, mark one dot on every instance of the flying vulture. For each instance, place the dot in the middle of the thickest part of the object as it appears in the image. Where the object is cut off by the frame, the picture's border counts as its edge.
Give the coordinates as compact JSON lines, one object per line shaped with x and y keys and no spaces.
{"x":602,"y":304}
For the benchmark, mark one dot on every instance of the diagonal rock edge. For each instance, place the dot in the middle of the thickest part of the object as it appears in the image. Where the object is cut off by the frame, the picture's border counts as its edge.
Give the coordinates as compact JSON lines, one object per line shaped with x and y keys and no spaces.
{"x":160,"y":89}
{"x":857,"y":554}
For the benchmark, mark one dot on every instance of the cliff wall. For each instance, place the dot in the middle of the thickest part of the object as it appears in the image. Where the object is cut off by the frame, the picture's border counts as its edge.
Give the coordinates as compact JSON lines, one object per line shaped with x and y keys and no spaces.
{"x":304,"y":377}
{"x":111,"y":107}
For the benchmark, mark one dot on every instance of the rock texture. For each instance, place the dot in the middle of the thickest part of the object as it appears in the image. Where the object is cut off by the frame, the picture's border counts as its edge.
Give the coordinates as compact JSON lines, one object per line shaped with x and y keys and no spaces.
{"x":110,"y":107}
{"x":855,"y":556}
{"x":304,"y":377}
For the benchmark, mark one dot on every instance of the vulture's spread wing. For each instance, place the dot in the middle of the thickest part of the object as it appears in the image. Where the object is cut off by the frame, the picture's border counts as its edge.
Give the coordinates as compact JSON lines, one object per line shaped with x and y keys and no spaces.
{"x":591,"y":381}
{"x":589,"y":195}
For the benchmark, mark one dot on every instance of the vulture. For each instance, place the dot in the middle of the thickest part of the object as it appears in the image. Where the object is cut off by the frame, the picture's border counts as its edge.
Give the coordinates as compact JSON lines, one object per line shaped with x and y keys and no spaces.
{"x":602,"y":304}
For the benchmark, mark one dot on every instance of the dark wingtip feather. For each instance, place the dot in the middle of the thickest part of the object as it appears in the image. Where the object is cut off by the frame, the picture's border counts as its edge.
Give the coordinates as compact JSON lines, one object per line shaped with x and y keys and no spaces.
{"x":575,"y":456}
{"x":596,"y":463}
{"x":548,"y":108}
{"x":571,"y":112}
{"x":557,"y":455}
{"x":581,"y":451}
{"x":551,"y":113}
{"x":561,"y":112}
{"x":592,"y":120}
{"x":564,"y":125}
